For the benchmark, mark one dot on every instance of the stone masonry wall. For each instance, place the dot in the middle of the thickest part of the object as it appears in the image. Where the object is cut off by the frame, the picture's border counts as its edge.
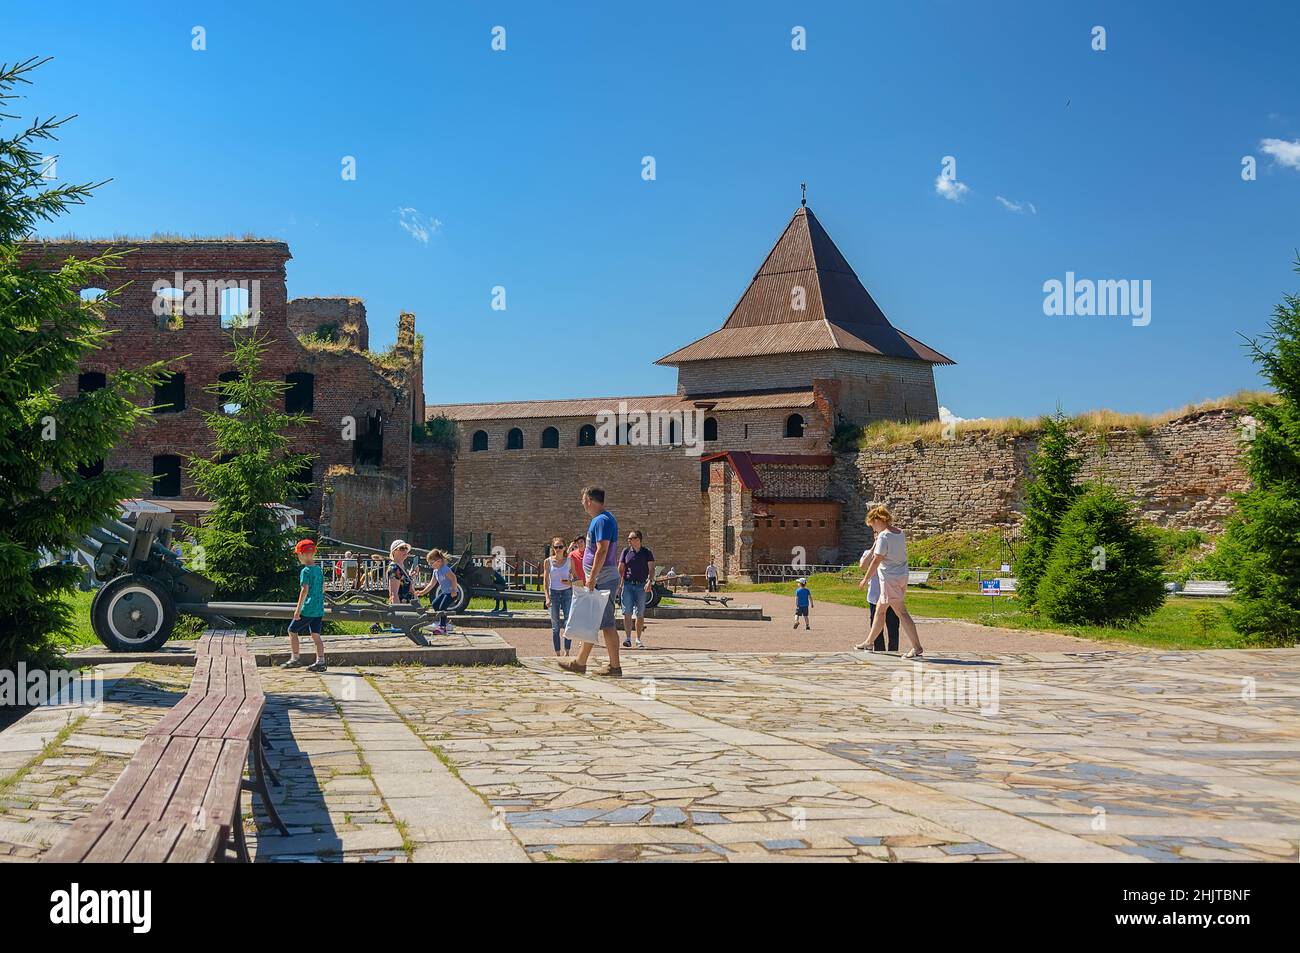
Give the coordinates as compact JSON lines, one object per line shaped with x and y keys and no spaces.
{"x":1179,"y":475}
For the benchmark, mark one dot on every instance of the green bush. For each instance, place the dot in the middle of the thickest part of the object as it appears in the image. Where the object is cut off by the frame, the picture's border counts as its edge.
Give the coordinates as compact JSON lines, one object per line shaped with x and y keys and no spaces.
{"x":1103,"y":569}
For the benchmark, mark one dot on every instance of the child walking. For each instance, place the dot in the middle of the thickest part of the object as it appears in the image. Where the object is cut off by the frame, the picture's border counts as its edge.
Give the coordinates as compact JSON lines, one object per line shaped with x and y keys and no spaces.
{"x":802,"y":603}
{"x":309,"y":613}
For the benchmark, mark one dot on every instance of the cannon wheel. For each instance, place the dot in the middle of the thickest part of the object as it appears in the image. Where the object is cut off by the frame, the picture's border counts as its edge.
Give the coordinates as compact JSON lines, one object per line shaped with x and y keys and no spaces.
{"x":461,"y":603}
{"x":133,"y":614}
{"x":656,"y":594}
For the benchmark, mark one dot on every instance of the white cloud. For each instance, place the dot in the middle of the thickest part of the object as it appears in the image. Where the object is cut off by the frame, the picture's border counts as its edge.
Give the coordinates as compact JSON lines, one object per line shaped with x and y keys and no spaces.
{"x":1017,"y":207}
{"x":418,"y":227}
{"x":946,"y":416}
{"x":950,"y":188}
{"x":1284,"y":152}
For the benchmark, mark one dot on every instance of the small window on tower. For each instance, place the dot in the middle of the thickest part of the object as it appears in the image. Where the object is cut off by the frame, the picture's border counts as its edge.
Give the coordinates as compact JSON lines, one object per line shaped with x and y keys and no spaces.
{"x":300,"y":398}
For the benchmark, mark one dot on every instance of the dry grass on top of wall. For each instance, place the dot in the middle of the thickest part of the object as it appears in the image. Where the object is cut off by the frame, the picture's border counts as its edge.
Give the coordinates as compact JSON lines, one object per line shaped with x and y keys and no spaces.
{"x":890,"y":433}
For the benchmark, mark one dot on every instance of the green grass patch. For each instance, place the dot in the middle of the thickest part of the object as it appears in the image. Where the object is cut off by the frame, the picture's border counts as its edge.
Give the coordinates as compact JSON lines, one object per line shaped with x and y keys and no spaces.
{"x":1178,"y":624}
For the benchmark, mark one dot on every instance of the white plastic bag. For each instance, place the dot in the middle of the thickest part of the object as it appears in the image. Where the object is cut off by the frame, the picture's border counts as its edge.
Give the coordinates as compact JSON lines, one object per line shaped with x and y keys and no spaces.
{"x":586,"y":612}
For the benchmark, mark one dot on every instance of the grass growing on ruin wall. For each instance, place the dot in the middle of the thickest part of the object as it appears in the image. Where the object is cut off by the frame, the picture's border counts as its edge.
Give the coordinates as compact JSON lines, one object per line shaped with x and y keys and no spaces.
{"x":888,"y":433}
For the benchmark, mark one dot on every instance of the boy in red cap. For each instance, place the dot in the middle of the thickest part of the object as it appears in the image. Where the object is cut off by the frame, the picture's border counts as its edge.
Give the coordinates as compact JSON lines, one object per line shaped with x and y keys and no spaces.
{"x":309,"y":613}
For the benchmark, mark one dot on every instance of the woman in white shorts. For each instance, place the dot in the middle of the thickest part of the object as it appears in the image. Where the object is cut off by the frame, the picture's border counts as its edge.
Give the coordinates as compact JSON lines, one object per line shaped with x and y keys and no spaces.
{"x":889,"y":562}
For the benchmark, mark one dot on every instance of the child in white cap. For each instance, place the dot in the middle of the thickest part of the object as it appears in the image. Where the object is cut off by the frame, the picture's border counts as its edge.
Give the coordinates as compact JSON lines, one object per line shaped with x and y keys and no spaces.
{"x":802,"y":603}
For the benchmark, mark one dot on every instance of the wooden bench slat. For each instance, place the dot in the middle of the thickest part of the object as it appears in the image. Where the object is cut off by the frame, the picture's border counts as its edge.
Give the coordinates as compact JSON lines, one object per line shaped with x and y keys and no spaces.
{"x":196,"y":846}
{"x":194,"y":722}
{"x":157,"y":792}
{"x":220,"y":805}
{"x":73,"y":847}
{"x":186,"y":800}
{"x":246,"y":721}
{"x":155,"y":843}
{"x":123,"y":794}
{"x":176,"y":715}
{"x":116,"y":843}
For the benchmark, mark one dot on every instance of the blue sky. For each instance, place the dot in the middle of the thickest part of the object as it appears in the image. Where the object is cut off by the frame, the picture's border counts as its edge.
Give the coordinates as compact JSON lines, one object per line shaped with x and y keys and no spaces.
{"x":525,"y":169}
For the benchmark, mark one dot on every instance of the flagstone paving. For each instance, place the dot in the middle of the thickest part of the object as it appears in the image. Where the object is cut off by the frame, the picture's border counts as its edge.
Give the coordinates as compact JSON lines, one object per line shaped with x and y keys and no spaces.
{"x":1096,"y":755}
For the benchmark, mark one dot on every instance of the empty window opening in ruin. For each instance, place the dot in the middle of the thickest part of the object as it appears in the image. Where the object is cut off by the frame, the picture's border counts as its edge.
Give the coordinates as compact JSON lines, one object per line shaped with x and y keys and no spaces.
{"x":89,"y":381}
{"x":236,"y":310}
{"x":171,"y":304}
{"x":167,"y":475}
{"x":303,"y":483}
{"x":90,"y":470}
{"x":225,"y":397}
{"x":169,"y":393}
{"x":794,"y":425}
{"x":368,"y":448}
{"x":300,"y":398}
{"x":710,"y":428}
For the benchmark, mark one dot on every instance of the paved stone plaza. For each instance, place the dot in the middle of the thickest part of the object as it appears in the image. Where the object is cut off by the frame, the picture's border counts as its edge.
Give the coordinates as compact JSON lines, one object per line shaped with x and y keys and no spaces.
{"x":1093,"y":755}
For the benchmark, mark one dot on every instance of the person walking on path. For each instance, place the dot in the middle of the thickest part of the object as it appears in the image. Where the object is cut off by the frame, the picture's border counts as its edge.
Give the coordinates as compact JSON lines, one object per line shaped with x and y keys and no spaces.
{"x":873,"y":606}
{"x":558,"y":591}
{"x":636,"y":569}
{"x":889,"y":561}
{"x":601,"y":575}
{"x":711,"y":575}
{"x":803,"y":603}
{"x":309,"y":611}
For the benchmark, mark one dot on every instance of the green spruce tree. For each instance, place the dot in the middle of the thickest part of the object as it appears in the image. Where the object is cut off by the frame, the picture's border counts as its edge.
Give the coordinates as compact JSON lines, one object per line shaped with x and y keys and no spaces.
{"x":1049,"y":493}
{"x":52,"y":484}
{"x":1103,"y":570}
{"x":246,"y":551}
{"x":1261,"y":546}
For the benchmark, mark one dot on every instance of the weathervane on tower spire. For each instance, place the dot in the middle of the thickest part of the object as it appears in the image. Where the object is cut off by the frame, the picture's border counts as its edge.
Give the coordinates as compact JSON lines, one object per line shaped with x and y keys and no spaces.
{"x":803,"y":187}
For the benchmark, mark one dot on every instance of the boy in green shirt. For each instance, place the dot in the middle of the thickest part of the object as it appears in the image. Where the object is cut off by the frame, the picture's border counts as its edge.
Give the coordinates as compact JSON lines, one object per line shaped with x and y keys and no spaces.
{"x":309,"y":613}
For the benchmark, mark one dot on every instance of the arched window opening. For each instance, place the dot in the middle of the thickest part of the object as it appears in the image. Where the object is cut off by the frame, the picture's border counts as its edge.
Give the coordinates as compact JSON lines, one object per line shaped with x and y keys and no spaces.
{"x":479,"y":440}
{"x":710,"y":428}
{"x":515,"y":439}
{"x":587,"y":436}
{"x":550,"y":439}
{"x":794,"y":425}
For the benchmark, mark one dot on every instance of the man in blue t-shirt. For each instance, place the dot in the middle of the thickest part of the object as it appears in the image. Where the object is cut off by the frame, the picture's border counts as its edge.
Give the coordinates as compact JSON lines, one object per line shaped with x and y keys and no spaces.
{"x":600,"y":567}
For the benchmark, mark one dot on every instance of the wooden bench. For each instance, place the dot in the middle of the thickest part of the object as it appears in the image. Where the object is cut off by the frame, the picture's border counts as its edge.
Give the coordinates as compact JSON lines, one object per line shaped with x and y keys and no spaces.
{"x":178,"y":799}
{"x":1206,"y":587}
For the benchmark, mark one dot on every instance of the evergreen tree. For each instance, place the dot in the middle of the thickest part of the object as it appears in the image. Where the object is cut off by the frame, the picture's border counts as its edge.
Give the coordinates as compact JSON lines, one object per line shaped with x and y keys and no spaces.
{"x":1103,"y":570}
{"x":245,"y":550}
{"x":1261,"y":546}
{"x":1049,"y":492}
{"x":52,"y":489}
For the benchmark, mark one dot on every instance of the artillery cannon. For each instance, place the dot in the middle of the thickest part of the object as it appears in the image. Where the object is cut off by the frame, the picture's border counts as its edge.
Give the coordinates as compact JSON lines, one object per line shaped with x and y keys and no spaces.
{"x":146,"y":586}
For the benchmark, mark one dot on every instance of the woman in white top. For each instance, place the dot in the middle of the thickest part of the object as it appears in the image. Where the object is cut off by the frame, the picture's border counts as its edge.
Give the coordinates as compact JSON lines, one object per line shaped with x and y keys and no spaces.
{"x":889,"y":562}
{"x":558,"y":590}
